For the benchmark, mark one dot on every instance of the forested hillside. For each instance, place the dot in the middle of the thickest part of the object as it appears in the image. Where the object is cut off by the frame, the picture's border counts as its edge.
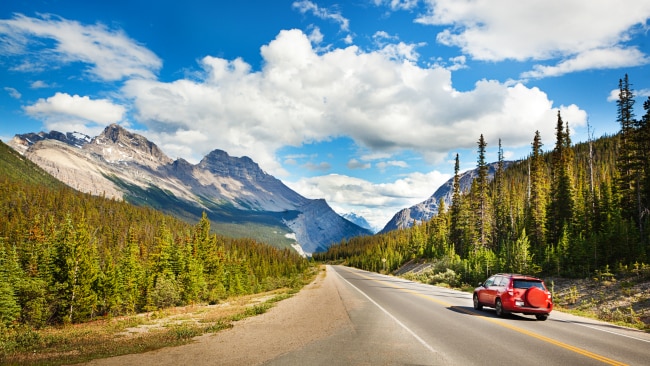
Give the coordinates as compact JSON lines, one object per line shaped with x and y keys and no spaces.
{"x":68,"y":257}
{"x":571,"y":211}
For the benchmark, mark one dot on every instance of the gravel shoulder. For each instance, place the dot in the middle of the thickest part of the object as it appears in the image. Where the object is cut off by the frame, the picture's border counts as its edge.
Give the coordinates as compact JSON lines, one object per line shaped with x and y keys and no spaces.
{"x":313,"y":313}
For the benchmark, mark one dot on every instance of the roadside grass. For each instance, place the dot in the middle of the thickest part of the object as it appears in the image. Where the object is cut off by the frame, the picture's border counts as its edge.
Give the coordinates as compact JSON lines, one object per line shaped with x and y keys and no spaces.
{"x":624,"y":301}
{"x":131,"y":334}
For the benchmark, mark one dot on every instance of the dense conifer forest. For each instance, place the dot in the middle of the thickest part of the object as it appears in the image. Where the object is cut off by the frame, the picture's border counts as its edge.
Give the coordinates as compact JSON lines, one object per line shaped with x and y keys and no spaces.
{"x":573,"y":211}
{"x":68,"y":257}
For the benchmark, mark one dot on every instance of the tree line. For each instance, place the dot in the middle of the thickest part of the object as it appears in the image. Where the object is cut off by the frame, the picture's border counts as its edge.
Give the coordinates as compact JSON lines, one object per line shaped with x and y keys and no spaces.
{"x":68,"y":257}
{"x":572,"y":211}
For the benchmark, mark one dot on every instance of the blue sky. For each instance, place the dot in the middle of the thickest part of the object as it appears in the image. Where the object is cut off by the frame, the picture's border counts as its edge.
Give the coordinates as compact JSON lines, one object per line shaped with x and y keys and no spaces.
{"x":364,"y":103}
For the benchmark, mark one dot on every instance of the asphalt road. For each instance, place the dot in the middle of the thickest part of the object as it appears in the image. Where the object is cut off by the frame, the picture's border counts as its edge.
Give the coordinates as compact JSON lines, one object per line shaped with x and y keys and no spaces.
{"x":398,"y":322}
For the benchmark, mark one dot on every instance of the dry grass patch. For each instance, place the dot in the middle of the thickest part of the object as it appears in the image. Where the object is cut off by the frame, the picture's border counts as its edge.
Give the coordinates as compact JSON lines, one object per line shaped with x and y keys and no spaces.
{"x":129,"y":334}
{"x":624,"y":301}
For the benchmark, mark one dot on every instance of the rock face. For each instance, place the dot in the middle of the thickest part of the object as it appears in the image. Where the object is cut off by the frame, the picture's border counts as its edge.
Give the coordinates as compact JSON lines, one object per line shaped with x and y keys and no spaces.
{"x":425,"y":210}
{"x":117,"y":145}
{"x":22,"y":142}
{"x":122,"y":165}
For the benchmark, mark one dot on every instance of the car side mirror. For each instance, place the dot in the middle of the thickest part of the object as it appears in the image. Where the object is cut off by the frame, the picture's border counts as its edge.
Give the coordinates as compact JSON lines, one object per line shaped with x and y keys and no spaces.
{"x":480,"y":284}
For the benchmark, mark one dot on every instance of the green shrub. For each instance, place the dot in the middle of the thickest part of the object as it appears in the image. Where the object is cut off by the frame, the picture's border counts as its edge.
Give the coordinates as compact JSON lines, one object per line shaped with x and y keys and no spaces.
{"x":165,"y":293}
{"x":185,"y":331}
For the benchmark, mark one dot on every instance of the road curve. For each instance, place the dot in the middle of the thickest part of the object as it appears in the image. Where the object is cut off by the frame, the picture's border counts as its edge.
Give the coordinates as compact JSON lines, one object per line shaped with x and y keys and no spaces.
{"x":401,"y":322}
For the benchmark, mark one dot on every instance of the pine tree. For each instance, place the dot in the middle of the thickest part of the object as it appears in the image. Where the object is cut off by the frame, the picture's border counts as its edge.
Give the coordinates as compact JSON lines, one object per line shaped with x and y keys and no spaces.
{"x":481,"y":198}
{"x":560,"y":213}
{"x":10,"y":273}
{"x":537,"y":198}
{"x":439,"y":237}
{"x":456,"y":229}
{"x":163,"y":289}
{"x":74,"y":273}
{"x":521,"y":257}
{"x":643,"y":143}
{"x":131,"y":275}
{"x":626,"y":163}
{"x":501,"y":221}
{"x":191,"y":280}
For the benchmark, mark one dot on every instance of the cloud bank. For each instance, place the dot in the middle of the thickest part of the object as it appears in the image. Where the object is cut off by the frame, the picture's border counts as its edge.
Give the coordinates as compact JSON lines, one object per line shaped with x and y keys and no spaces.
{"x":300,"y":96}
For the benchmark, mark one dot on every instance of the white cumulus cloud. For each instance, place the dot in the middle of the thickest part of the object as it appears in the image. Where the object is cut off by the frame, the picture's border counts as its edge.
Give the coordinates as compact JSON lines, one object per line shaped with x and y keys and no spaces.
{"x":302,"y":96}
{"x":65,"y":112}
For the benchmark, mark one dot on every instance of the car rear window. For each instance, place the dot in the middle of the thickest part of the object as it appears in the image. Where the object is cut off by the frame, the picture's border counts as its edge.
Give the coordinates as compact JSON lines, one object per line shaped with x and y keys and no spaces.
{"x":528,"y":284}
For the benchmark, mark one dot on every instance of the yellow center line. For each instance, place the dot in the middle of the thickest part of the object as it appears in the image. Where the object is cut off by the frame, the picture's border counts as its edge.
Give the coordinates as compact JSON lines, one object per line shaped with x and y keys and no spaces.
{"x":569,"y":347}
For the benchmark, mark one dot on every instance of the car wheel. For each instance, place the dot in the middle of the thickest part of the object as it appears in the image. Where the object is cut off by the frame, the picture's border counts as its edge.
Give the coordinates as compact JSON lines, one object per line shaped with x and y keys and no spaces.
{"x":477,"y":304}
{"x":499,"y":308}
{"x":541,"y":317}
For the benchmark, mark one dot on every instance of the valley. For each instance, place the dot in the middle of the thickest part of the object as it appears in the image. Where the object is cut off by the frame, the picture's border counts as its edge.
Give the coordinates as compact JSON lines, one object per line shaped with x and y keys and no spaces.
{"x":241,"y":199}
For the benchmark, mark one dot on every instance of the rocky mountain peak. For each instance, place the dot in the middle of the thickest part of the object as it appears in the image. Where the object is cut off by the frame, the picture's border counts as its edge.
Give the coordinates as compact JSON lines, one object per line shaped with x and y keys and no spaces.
{"x":219,"y":162}
{"x":116,"y":144}
{"x":22,"y":142}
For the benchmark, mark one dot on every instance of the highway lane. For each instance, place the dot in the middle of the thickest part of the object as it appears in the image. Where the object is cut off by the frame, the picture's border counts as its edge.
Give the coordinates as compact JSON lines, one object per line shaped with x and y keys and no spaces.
{"x":395,"y":321}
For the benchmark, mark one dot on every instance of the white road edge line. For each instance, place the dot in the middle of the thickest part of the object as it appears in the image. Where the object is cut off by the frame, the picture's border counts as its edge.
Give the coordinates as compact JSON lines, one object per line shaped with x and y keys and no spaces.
{"x":425,"y":344}
{"x":604,"y":330}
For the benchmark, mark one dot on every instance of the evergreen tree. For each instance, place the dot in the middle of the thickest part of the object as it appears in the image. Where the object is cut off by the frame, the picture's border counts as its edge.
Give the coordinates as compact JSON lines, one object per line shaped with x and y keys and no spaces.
{"x":9,"y":277}
{"x":456,"y":229}
{"x":627,"y":163}
{"x":502,"y":223}
{"x":481,"y":198}
{"x":643,"y":141}
{"x":131,"y":275}
{"x":560,"y":213}
{"x":74,"y":273}
{"x":162,"y":288}
{"x":537,"y":197}
{"x":36,"y":257}
{"x":439,"y":237}
{"x":522,"y":259}
{"x":213,"y":254}
{"x":191,"y":280}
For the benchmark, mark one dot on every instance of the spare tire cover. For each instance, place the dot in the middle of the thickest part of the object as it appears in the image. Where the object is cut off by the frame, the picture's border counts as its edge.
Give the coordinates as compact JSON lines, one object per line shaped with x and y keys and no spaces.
{"x":536,"y":297}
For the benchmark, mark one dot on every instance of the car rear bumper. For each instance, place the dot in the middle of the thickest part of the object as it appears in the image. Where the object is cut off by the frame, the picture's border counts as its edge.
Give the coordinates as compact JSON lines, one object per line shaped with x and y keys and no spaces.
{"x":527,"y":310}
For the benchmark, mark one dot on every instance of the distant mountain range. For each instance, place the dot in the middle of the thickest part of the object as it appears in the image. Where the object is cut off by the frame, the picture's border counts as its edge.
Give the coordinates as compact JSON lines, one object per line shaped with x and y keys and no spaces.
{"x":428,"y":208}
{"x":239,"y":197}
{"x":359,"y":220}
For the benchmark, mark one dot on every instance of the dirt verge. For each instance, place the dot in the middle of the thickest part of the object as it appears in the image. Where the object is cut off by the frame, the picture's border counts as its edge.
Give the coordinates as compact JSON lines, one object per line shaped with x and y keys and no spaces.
{"x":315,"y":312}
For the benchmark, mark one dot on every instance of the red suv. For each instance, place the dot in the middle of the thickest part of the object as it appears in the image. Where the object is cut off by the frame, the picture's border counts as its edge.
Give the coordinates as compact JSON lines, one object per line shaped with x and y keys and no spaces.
{"x":514,"y":293}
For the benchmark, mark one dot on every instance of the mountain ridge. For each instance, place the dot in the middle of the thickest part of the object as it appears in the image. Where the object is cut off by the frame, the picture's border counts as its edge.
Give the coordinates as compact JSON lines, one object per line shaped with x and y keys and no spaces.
{"x":235,"y":190}
{"x":359,"y":220}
